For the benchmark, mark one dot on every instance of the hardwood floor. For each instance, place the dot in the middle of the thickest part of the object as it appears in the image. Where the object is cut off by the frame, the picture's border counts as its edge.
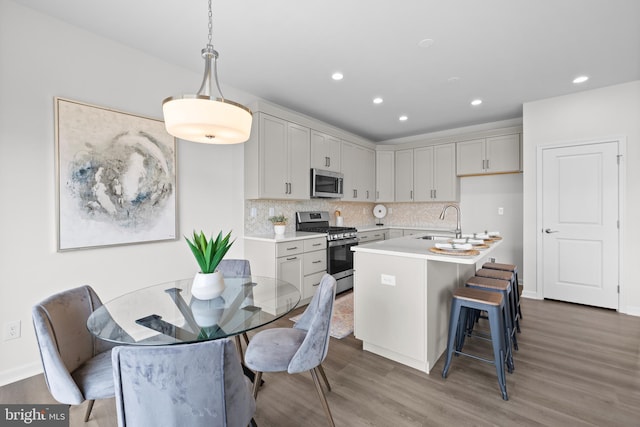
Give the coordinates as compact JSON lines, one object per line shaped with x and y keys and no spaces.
{"x":577,"y":366}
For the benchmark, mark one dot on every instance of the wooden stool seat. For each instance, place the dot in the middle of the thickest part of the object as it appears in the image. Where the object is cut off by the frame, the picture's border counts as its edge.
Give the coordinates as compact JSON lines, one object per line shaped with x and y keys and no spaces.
{"x":463,"y":302}
{"x":511,"y":277}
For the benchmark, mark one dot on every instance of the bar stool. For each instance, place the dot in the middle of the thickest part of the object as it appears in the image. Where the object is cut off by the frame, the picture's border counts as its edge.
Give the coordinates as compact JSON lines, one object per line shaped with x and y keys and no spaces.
{"x":505,"y":288}
{"x":504,"y":275}
{"x":464,"y":300}
{"x":513,"y":269}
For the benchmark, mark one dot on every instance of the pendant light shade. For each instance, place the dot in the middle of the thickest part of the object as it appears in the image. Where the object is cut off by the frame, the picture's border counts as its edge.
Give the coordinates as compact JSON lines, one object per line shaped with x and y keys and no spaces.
{"x":204,"y":117}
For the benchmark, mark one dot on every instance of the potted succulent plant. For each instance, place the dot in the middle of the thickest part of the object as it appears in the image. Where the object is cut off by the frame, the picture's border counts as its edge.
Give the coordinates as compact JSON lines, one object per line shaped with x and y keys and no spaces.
{"x":279,"y":223}
{"x":208,"y":282}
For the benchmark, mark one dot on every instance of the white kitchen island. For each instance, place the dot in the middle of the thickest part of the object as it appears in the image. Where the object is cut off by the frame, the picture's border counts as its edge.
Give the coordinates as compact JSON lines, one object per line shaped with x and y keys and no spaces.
{"x":402,"y":298}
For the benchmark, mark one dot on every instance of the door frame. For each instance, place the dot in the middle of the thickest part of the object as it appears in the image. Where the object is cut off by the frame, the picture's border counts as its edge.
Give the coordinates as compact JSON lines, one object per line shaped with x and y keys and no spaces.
{"x":622,"y":150}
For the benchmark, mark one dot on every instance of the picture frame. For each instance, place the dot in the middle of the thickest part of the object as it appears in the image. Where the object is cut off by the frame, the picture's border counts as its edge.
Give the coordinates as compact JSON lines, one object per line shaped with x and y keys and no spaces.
{"x":115,"y":177}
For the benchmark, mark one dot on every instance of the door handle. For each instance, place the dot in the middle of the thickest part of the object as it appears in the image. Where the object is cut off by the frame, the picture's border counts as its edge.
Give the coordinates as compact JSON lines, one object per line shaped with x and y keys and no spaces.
{"x":549,"y":231}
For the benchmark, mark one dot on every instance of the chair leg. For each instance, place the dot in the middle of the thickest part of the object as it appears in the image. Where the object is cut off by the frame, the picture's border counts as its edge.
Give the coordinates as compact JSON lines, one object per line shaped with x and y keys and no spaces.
{"x":239,"y":348}
{"x":246,"y":338}
{"x":253,"y":423}
{"x":324,"y":377}
{"x":89,"y":408}
{"x":256,"y":384}
{"x":323,"y":398}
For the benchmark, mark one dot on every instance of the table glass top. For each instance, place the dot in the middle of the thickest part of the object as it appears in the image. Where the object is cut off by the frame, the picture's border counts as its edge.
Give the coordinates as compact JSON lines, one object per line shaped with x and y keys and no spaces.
{"x":168,"y":314}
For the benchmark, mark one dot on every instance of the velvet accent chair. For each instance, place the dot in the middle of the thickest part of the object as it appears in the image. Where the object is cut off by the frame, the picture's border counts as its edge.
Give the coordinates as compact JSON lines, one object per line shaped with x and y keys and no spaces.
{"x":298,"y":349}
{"x":77,"y":366}
{"x":196,"y":384}
{"x":236,"y":267}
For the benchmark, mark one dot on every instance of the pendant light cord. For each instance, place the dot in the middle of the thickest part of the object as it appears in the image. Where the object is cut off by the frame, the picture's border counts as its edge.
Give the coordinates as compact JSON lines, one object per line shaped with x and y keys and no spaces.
{"x":215,"y":54}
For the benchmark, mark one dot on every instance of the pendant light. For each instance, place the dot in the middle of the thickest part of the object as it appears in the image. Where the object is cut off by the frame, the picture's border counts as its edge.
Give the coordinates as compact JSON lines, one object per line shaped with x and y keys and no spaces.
{"x":204,"y":117}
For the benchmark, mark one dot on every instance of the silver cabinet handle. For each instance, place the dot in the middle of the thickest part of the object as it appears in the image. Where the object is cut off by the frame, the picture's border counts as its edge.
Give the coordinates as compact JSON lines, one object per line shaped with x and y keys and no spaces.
{"x":317,"y":244}
{"x":435,"y":194}
{"x":487,"y":164}
{"x":411,"y":194}
{"x":549,"y":231}
{"x":292,"y":258}
{"x":293,"y":248}
{"x":367,"y":194}
{"x":316,"y":284}
{"x":329,"y":161}
{"x":316,"y":262}
{"x":377,"y":194}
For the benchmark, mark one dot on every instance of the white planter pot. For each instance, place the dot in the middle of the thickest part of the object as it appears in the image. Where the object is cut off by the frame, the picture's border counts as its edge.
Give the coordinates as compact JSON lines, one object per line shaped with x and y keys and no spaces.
{"x":279,"y":229}
{"x":207,"y":286}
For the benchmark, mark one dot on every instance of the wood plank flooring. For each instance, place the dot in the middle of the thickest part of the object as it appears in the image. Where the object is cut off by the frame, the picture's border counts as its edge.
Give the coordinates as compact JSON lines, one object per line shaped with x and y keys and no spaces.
{"x":577,"y":366}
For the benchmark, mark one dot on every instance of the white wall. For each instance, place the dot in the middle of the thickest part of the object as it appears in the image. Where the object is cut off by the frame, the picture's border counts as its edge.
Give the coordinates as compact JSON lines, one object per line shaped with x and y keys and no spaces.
{"x":42,"y":58}
{"x":480,"y":198}
{"x":587,"y":116}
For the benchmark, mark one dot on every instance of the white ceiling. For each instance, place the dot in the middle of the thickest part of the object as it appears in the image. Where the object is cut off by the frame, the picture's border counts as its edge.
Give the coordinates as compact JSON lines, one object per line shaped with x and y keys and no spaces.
{"x":505,"y":52}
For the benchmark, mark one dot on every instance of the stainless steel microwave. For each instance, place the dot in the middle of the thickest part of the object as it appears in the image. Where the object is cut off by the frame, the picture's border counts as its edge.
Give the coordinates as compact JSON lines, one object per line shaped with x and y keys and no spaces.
{"x":326,"y":184}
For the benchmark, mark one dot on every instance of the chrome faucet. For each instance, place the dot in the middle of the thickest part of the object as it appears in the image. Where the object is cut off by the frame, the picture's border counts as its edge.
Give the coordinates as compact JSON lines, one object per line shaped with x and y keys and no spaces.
{"x":458,"y":227}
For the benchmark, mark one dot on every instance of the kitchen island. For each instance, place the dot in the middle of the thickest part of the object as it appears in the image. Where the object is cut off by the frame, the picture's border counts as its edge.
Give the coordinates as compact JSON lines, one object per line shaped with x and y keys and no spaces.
{"x":402,"y":297}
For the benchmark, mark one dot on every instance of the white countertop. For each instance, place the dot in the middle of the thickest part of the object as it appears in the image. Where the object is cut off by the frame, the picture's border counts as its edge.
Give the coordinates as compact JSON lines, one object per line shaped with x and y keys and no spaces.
{"x":287,"y":237}
{"x":414,"y":247}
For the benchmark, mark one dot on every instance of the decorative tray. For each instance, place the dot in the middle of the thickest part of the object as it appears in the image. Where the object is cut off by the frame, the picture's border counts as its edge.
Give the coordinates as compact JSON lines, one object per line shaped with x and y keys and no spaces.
{"x":456,"y":252}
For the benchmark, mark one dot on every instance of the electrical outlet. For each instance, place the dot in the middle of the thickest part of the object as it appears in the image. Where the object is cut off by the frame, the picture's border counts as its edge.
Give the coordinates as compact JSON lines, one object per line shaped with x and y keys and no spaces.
{"x":12,"y":330}
{"x":272,"y":211}
{"x":388,"y":279}
{"x":254,"y":212}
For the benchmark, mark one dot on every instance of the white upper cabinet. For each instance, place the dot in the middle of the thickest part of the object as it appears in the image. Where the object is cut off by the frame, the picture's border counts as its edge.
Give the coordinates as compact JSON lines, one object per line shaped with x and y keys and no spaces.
{"x":358,"y":168}
{"x":426,"y":174}
{"x":496,"y":154}
{"x":404,"y":175}
{"x":325,"y":151}
{"x":385,"y":176}
{"x":277,"y":159}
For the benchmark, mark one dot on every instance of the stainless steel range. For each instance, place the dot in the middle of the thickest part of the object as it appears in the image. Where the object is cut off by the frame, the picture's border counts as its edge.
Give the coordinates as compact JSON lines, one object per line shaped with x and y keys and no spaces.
{"x":340,"y":240}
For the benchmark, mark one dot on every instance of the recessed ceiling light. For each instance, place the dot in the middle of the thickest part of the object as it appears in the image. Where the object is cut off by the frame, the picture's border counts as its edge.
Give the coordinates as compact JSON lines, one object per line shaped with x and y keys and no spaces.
{"x":476,"y":102}
{"x":377,"y":100}
{"x":337,"y":76}
{"x":453,"y":79}
{"x":580,"y":79}
{"x":425,"y":43}
{"x":403,"y":118}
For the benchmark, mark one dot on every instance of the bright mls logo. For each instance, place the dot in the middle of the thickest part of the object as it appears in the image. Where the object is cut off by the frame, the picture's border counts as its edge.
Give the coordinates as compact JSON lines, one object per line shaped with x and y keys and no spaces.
{"x":34,"y":415}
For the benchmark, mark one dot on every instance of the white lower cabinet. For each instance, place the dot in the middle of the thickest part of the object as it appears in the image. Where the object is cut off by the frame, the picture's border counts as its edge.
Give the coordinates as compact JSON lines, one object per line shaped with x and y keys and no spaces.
{"x":299,"y":262}
{"x":372,"y":236}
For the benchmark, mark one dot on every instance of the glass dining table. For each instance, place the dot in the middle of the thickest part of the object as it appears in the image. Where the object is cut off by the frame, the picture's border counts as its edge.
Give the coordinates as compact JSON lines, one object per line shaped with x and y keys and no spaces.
{"x":167,"y":313}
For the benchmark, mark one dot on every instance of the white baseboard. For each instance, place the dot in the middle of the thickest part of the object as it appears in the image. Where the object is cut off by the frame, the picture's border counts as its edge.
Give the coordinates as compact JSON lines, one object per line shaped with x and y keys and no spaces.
{"x":20,"y":373}
{"x":530,"y":295}
{"x":630,"y":310}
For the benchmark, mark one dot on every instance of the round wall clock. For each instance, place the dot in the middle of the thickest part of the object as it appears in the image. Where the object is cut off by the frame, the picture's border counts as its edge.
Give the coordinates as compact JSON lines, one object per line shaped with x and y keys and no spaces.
{"x":379,"y":211}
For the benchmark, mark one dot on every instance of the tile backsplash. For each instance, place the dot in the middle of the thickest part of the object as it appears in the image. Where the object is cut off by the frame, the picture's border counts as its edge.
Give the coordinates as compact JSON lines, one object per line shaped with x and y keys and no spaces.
{"x":359,"y":215}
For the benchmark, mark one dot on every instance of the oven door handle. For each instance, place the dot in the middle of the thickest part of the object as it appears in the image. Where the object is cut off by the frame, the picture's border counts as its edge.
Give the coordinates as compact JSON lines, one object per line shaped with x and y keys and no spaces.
{"x":333,"y":243}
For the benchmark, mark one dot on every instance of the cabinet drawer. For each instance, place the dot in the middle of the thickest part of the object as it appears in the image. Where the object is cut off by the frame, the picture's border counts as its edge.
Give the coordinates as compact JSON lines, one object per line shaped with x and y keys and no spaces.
{"x":289,"y":248}
{"x":310,"y":284}
{"x":314,"y":262}
{"x":315,"y":244}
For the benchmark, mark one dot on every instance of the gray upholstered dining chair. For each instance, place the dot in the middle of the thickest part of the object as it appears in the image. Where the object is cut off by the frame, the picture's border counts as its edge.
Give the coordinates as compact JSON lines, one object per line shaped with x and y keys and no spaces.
{"x":298,"y":349}
{"x":196,"y":384}
{"x":77,"y":366}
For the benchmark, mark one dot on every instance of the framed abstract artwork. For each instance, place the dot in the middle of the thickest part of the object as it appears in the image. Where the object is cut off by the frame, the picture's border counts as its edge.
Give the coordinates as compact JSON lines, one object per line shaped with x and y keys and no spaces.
{"x":116,"y":177}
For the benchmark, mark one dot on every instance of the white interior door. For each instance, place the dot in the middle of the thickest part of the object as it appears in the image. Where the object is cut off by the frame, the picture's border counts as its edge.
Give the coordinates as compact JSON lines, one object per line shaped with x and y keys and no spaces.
{"x":580,"y":224}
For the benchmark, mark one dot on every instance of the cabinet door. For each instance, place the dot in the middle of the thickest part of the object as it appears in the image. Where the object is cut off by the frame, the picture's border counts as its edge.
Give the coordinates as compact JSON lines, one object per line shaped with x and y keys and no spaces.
{"x":470,"y":157}
{"x":445,"y":181}
{"x":274,"y":157}
{"x":384,"y":176}
{"x":310,"y":285}
{"x":290,"y":270}
{"x":368,"y":175}
{"x":404,"y":176}
{"x":325,"y":151}
{"x":423,"y":174}
{"x":350,"y":166}
{"x":503,"y":153}
{"x":298,"y":162}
